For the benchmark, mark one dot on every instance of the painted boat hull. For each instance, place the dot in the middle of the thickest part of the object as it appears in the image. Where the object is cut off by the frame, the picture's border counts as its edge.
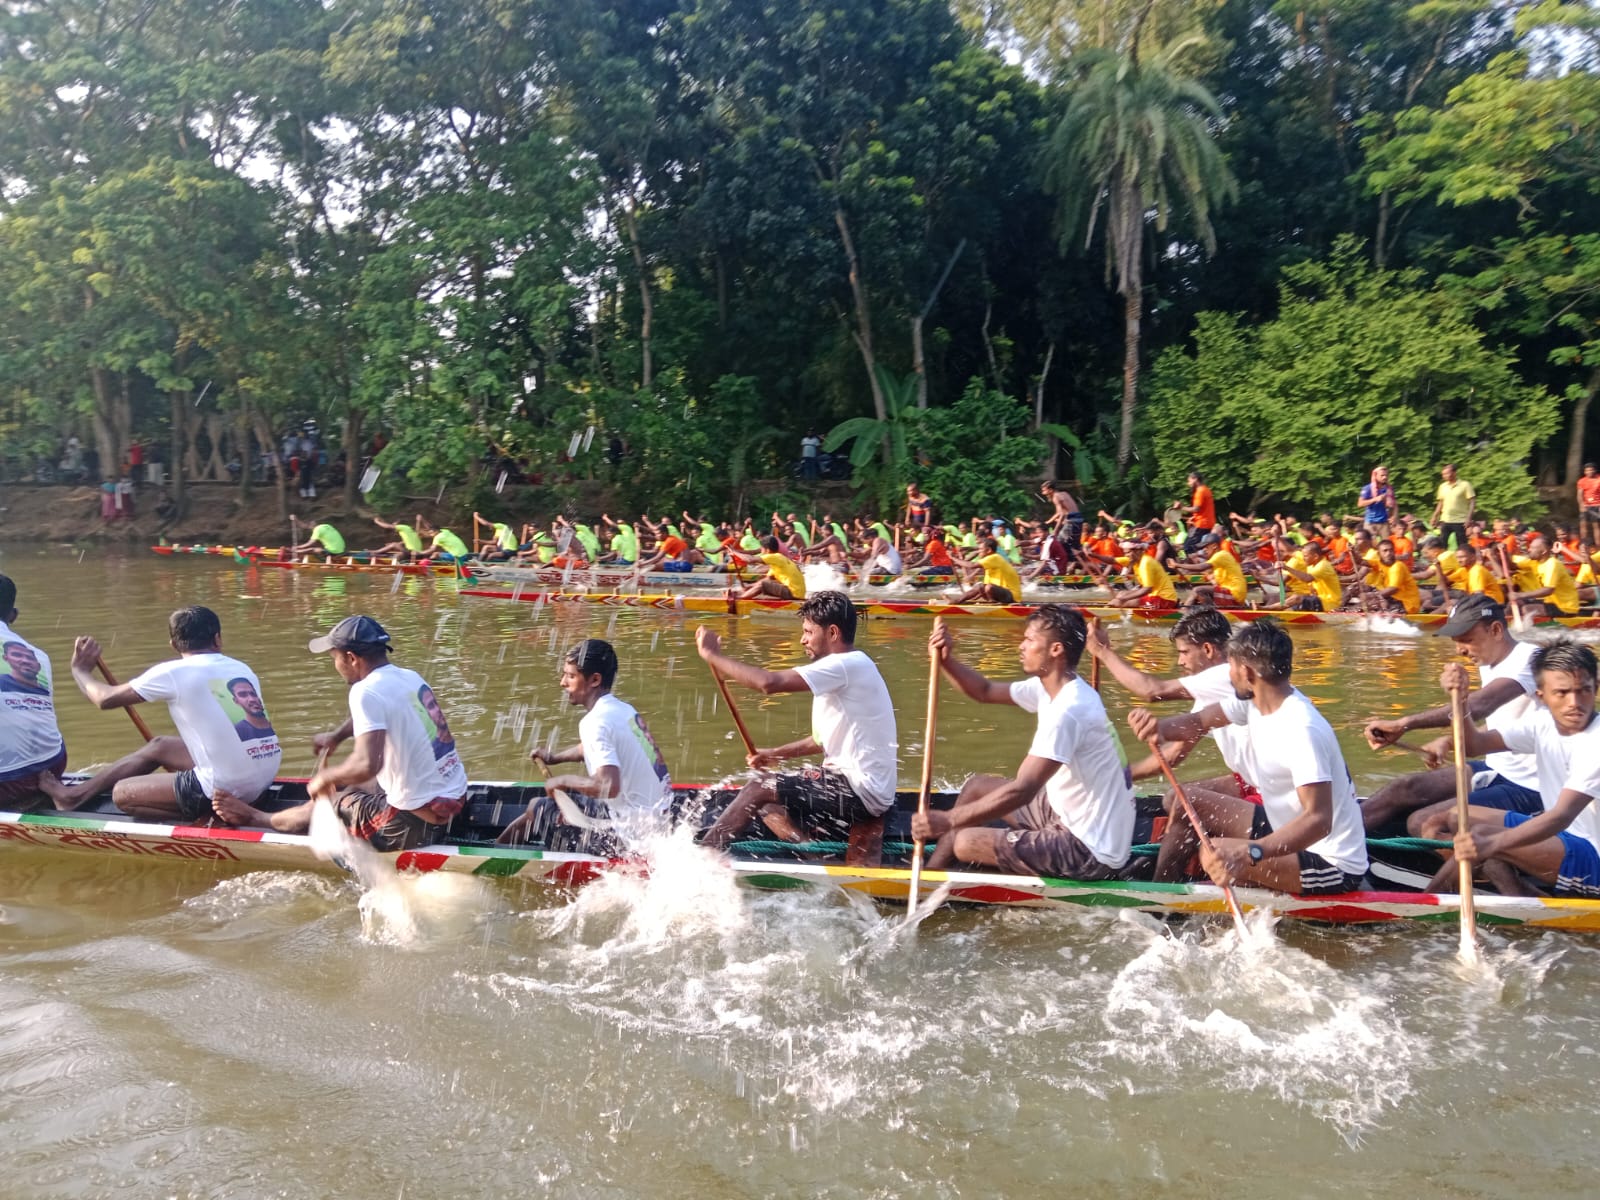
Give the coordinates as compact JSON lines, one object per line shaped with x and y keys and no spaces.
{"x":105,"y":834}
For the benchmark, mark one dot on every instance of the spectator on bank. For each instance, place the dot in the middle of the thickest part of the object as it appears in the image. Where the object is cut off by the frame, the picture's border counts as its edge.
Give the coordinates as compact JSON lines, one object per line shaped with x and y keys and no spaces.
{"x":1453,"y":508}
{"x":810,"y":448}
{"x":1377,"y":502}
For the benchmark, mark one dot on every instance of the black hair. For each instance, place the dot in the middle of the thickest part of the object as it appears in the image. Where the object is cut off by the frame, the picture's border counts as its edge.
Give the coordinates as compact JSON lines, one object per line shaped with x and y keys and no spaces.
{"x":194,"y":628}
{"x":1433,"y":543}
{"x":1066,"y":626}
{"x":592,"y":656}
{"x":1204,"y":627}
{"x":1266,"y":648}
{"x":770,"y":544}
{"x":831,"y":608}
{"x":8,"y":594}
{"x":239,"y":679}
{"x":1565,"y":654}
{"x":989,"y":546}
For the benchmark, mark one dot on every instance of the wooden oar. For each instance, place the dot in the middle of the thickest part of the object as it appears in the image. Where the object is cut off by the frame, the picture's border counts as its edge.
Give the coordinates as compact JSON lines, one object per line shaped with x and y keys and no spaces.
{"x":1199,"y":831}
{"x":133,"y":715}
{"x":1519,"y":619}
{"x":1458,"y":738}
{"x":733,"y":711}
{"x":926,"y":786}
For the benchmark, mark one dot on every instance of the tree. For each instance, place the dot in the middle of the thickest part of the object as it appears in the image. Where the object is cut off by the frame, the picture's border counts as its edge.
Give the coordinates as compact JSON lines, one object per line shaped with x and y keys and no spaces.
{"x":1135,"y":138}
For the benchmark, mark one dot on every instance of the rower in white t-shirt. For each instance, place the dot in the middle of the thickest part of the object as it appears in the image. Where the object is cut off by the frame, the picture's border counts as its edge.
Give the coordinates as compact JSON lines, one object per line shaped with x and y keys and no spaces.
{"x":1559,"y":846}
{"x":403,"y":779}
{"x":1076,"y":760}
{"x":226,"y":746}
{"x":627,"y":778}
{"x":852,"y":727}
{"x":30,"y":742}
{"x":1306,"y":835}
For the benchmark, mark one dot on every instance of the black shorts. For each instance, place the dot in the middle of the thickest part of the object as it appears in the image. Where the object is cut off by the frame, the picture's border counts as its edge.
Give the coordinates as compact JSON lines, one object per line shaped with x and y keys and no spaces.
{"x":1055,"y":852}
{"x":818,"y":798}
{"x":194,"y":805}
{"x":1000,"y":595}
{"x":1460,"y":532}
{"x":369,"y":816}
{"x":1589,"y":514}
{"x":1305,"y":603}
{"x":1072,"y":532}
{"x":1318,"y":876}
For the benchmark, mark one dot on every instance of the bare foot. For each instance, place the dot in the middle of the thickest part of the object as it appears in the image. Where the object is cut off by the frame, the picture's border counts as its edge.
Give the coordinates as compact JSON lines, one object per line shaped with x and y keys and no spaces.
{"x":59,"y":793}
{"x":231,"y":810}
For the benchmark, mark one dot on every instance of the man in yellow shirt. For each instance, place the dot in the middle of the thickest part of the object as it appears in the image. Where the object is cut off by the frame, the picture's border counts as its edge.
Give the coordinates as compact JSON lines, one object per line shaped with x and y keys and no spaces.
{"x":783,"y":580}
{"x":1154,"y":590}
{"x":1228,"y":587}
{"x":1398,"y":589}
{"x":1314,"y":582}
{"x":1557,"y":594}
{"x":1453,"y":507}
{"x":1001,"y":583}
{"x":1477,"y":577}
{"x":1443,"y":570}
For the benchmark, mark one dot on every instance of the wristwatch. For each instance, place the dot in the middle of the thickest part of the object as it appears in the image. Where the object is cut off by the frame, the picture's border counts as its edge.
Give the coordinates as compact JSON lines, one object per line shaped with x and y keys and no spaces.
{"x":1255,"y":851}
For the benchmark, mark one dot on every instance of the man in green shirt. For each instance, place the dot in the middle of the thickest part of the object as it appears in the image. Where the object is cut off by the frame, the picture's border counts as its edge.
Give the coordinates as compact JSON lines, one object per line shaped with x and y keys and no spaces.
{"x":445,"y":544}
{"x":410,"y":543}
{"x":1454,"y":507}
{"x":324,"y":537}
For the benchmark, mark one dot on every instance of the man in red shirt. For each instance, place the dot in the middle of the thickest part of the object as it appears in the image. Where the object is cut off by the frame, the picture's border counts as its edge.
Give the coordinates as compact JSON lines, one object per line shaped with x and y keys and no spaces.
{"x":1202,"y":509}
{"x":1589,"y":503}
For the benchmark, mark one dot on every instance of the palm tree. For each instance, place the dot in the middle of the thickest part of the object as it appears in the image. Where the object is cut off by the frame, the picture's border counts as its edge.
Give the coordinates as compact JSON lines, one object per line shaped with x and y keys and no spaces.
{"x":1136,"y":141}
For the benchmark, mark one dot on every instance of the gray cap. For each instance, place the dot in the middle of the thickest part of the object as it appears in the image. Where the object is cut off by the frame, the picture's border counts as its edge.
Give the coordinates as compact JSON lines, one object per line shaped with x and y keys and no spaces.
{"x":1468,"y":614}
{"x":359,"y":632}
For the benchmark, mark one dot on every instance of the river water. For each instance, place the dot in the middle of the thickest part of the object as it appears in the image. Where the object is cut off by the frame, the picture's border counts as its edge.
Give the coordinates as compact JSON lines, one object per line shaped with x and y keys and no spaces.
{"x":182,"y":1030}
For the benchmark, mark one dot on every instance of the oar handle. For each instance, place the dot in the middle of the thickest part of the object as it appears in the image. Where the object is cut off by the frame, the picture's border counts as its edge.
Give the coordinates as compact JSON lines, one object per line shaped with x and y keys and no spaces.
{"x":1458,"y":738}
{"x":925,"y":789}
{"x":1199,"y":829}
{"x":133,"y":715}
{"x":733,"y":711}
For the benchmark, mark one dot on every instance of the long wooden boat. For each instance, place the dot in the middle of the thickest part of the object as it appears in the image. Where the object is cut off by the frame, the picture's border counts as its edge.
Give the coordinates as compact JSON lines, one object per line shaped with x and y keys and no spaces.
{"x":469,"y":847}
{"x":361,"y":561}
{"x":917,"y":608}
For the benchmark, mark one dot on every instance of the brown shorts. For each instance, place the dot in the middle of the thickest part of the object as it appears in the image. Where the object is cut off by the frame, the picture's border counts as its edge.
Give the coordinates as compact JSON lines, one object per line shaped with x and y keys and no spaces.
{"x":1055,"y":852}
{"x":26,"y":787}
{"x":370,"y":817}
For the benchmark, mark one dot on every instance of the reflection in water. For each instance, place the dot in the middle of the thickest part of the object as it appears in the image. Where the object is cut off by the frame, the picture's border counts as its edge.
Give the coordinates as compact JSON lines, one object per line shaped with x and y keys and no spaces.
{"x":178,"y":1029}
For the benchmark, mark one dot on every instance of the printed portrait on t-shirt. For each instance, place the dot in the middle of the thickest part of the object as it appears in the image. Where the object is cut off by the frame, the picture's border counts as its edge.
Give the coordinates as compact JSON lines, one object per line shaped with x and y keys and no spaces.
{"x":647,"y":742}
{"x":21,"y":671}
{"x":242,"y":702}
{"x":444,"y":742}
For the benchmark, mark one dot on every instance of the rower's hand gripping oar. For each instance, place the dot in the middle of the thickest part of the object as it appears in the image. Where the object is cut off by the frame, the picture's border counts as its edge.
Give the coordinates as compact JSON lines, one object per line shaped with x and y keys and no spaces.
{"x":1199,"y":831}
{"x":925,"y":790}
{"x":133,"y":714}
{"x":1458,"y":740}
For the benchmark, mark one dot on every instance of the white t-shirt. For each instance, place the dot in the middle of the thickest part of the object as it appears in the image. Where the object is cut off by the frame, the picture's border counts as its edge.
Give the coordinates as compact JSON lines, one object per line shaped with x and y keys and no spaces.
{"x":29,"y":738}
{"x":1565,"y":763}
{"x":889,"y":561}
{"x":1520,"y":769}
{"x":216,"y":703}
{"x":420,"y":761}
{"x":613,"y":734}
{"x":852,"y":719}
{"x":809,"y":446}
{"x":1290,"y":748}
{"x":1092,"y":792}
{"x":1212,"y":686}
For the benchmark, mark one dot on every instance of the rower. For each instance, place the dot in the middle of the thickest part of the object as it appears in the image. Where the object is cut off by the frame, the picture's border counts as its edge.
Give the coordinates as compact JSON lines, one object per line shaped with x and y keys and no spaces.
{"x":1001,"y":583}
{"x":1154,"y":590}
{"x":853,"y":726}
{"x":1559,"y":846}
{"x":934,"y":564}
{"x":222,"y":748}
{"x":1076,"y":762}
{"x":1556,"y":594}
{"x":783,"y":580}
{"x":1314,"y":585}
{"x":1398,"y":591}
{"x":504,"y":545}
{"x":410,"y":544}
{"x":1305,"y":836}
{"x":1477,"y":578}
{"x":1228,"y":587}
{"x":1066,"y":519}
{"x":1505,"y":781}
{"x":31,"y":746}
{"x":444,"y":544}
{"x":626,"y":776}
{"x":882,"y":559}
{"x":324,"y":537}
{"x":403,"y":779}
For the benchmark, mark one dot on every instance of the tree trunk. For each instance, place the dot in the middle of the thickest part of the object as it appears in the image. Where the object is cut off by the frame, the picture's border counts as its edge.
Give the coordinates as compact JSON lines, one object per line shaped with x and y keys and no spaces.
{"x":647,"y":306}
{"x":1132,"y":310}
{"x":105,"y":433}
{"x":241,"y":433}
{"x":863,"y":331}
{"x":1580,"y":418}
{"x":350,"y":438}
{"x":279,"y":467}
{"x":918,"y":366}
{"x":180,"y":429}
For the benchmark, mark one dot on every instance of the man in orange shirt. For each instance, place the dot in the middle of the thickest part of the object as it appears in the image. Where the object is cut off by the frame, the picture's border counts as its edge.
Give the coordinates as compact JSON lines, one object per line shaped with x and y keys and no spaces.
{"x":1202,"y":508}
{"x":1589,"y":503}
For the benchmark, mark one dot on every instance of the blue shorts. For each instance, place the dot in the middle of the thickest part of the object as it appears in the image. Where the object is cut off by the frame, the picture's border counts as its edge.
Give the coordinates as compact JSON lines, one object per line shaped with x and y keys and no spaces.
{"x":1579,"y":874}
{"x":1501,"y":793}
{"x":677,"y":564}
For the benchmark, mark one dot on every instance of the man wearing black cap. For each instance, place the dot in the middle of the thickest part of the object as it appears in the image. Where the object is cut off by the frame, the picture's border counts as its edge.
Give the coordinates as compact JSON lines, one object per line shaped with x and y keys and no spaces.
{"x":1504,"y":780}
{"x":852,"y":724}
{"x":627,"y":775}
{"x":392,"y":790}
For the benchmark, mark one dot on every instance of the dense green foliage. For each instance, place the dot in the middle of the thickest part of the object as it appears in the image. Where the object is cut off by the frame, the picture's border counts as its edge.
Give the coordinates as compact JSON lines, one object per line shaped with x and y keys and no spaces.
{"x":1344,"y":233}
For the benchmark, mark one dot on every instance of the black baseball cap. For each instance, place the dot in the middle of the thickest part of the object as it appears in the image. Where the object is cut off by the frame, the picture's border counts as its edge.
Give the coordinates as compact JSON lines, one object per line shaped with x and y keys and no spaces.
{"x":1468,"y":614}
{"x":352,"y":633}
